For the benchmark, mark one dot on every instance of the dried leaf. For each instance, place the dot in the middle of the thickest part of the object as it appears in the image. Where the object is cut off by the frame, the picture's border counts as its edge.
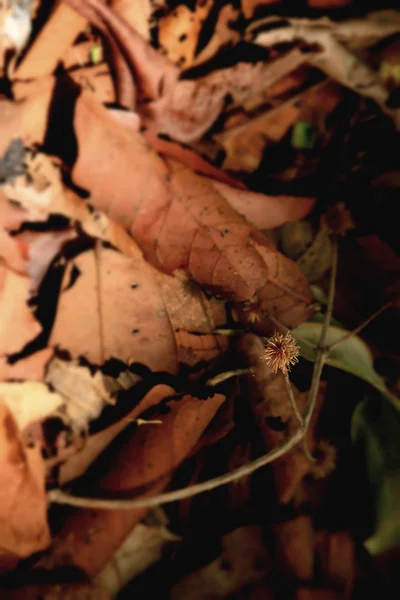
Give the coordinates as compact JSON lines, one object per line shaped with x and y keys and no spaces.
{"x":156,"y":450}
{"x":84,"y":393}
{"x":179,"y":32}
{"x":338,"y":564}
{"x":77,"y":464}
{"x":244,"y":560}
{"x":117,"y":315}
{"x":29,"y":401}
{"x":141,"y":549}
{"x":57,"y":591}
{"x":159,"y":449}
{"x":263,"y":211}
{"x":56,"y":36}
{"x":18,"y":326}
{"x":245,"y":144}
{"x":23,"y":522}
{"x":332,"y":56}
{"x":294,"y":542}
{"x":137,"y":14}
{"x":31,"y":368}
{"x":179,"y":219}
{"x":249,"y":7}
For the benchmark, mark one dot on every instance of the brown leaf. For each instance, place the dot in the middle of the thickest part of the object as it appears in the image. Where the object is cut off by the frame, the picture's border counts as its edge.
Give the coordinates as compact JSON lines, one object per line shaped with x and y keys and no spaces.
{"x":263,"y":211}
{"x":23,"y":522}
{"x":57,"y":591}
{"x":180,"y":220}
{"x":249,"y":7}
{"x":30,"y":368}
{"x":193,"y":348}
{"x":136,"y":14}
{"x":337,"y":559}
{"x":179,"y":33}
{"x":49,"y":46}
{"x":243,"y":561}
{"x":119,"y":314}
{"x":77,"y":464}
{"x":90,"y":537}
{"x":158,"y":449}
{"x":294,"y":542}
{"x":18,"y":326}
{"x":26,"y":120}
{"x":245,"y":144}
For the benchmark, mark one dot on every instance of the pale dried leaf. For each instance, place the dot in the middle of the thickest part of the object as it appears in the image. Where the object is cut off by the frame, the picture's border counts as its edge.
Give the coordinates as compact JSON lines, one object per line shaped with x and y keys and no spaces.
{"x":244,"y":550}
{"x":142,"y":548}
{"x":84,"y":394}
{"x":333,"y":58}
{"x":29,"y":401}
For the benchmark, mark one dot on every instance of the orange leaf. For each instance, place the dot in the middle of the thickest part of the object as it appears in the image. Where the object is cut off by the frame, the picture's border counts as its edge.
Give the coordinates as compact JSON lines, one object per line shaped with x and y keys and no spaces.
{"x":54,"y":39}
{"x":18,"y":326}
{"x":128,"y":307}
{"x":23,"y":523}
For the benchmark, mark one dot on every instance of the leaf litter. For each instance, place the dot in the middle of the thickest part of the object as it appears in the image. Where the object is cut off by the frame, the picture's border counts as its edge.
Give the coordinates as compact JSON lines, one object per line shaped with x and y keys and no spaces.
{"x":169,"y":180}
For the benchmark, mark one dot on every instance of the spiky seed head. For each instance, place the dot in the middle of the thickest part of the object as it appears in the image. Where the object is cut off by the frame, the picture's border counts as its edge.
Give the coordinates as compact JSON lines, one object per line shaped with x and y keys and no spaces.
{"x":281,"y":352}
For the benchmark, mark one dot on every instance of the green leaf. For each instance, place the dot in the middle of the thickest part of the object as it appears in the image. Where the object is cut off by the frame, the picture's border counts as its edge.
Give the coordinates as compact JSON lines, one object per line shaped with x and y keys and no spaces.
{"x":375,"y":432}
{"x":352,"y":356}
{"x":303,"y":136}
{"x":317,"y":259}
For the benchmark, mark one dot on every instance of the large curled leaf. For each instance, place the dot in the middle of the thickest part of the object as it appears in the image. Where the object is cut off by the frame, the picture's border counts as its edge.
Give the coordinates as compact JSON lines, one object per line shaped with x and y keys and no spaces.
{"x":352,"y":356}
{"x":180,"y":221}
{"x":376,"y":433}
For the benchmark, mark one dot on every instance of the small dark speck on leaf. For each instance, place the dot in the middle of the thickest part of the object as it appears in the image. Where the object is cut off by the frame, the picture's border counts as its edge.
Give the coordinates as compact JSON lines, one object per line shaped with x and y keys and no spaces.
{"x":134,"y":286}
{"x":135,"y":331}
{"x":183,"y":37}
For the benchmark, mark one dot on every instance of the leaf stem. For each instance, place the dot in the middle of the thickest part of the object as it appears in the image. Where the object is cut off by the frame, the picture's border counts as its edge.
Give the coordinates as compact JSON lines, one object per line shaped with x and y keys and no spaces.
{"x":60,"y":497}
{"x":357,"y":330}
{"x":287,"y":329}
{"x":228,"y":375}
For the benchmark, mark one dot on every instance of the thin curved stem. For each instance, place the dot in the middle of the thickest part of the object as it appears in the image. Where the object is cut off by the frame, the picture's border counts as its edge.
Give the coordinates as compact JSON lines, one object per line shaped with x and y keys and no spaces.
{"x":357,"y":330}
{"x":60,"y":497}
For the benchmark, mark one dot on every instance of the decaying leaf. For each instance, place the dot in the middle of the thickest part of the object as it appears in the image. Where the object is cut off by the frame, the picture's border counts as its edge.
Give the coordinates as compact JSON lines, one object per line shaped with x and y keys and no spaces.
{"x":84,"y":394}
{"x":294,"y":546}
{"x":95,"y":444}
{"x":23,"y":522}
{"x":234,"y":260}
{"x":113,"y":310}
{"x":142,"y":548}
{"x":18,"y":326}
{"x":29,"y":401}
{"x":332,"y":56}
{"x":31,"y":368}
{"x":244,"y":560}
